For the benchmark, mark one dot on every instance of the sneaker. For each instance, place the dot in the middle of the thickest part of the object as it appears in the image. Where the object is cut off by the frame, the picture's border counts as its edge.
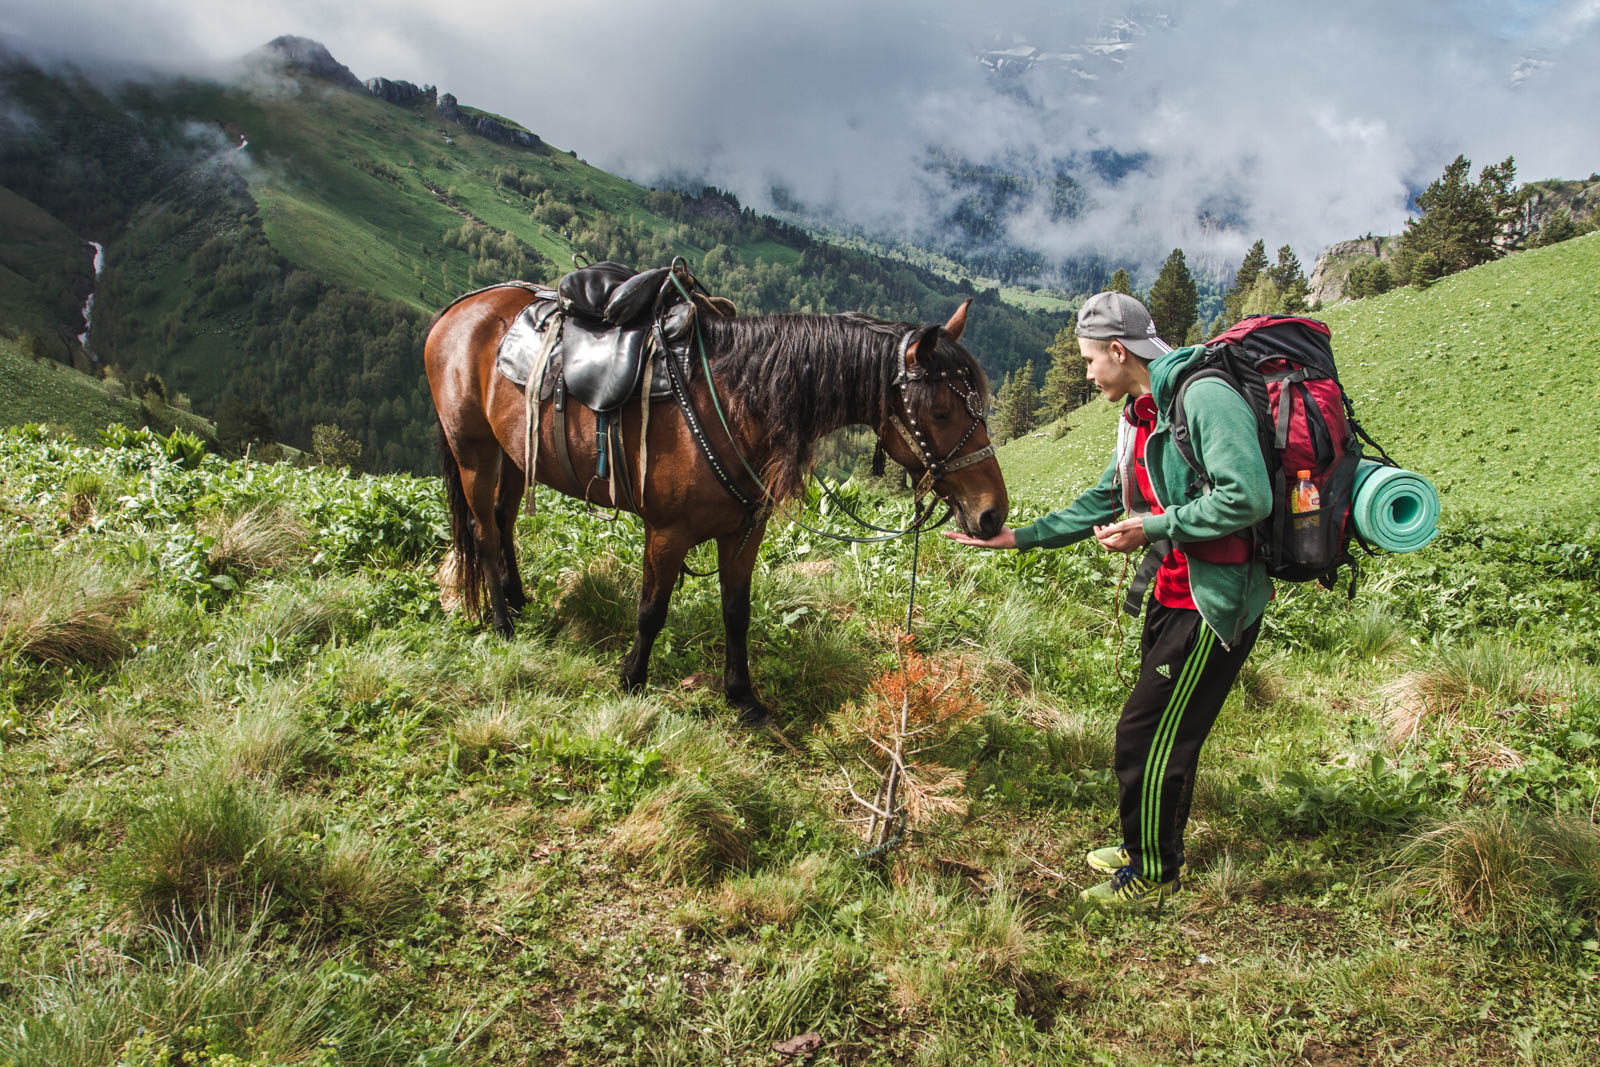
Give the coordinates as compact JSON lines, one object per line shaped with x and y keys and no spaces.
{"x":1126,"y":890}
{"x":1113,"y":858}
{"x":1108,"y":860}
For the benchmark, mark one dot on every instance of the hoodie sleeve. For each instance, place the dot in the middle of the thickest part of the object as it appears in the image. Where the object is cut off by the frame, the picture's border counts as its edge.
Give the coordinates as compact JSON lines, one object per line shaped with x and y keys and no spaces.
{"x":1223,"y":430}
{"x":1094,"y":507}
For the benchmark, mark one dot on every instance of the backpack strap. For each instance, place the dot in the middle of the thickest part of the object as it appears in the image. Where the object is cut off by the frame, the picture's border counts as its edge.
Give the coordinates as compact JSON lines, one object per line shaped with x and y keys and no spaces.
{"x":1133,"y":603}
{"x":1180,"y":421}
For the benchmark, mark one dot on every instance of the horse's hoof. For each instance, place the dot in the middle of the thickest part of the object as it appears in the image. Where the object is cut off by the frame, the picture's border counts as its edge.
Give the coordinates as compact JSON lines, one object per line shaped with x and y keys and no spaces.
{"x":754,"y":716}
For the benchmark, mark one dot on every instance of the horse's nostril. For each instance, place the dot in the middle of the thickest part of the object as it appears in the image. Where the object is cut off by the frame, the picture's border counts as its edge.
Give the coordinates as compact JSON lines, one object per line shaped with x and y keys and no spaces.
{"x":989,"y":523}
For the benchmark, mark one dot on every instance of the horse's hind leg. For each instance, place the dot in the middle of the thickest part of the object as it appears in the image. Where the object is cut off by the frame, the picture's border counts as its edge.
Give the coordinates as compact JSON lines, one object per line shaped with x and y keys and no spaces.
{"x":505,"y":517}
{"x":736,"y":559}
{"x":663,"y":558}
{"x":481,"y":464}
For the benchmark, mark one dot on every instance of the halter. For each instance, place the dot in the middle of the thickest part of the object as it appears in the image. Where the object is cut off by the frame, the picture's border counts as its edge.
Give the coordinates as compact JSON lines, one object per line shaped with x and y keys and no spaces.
{"x":934,"y":469}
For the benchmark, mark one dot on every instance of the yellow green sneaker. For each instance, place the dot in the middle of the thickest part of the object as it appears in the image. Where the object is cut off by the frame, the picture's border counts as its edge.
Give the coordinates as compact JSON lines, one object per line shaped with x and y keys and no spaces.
{"x":1126,"y":891}
{"x":1113,"y":858}
{"x":1109,"y":860}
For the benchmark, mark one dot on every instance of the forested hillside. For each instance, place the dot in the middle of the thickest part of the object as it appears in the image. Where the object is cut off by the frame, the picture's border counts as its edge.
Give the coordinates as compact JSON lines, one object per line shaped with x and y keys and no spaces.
{"x":288,"y":281}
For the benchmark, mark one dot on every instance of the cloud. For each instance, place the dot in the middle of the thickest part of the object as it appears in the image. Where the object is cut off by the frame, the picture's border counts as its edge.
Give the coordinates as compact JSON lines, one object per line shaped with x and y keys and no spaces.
{"x":1256,"y":119}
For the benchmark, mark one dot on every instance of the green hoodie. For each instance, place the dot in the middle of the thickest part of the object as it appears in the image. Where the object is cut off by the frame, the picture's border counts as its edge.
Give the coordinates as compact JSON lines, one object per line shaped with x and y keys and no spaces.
{"x":1230,"y":596}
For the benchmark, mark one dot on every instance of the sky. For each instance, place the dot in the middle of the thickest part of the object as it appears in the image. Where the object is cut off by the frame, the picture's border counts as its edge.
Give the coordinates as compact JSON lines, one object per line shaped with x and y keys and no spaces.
{"x":1299,"y":124}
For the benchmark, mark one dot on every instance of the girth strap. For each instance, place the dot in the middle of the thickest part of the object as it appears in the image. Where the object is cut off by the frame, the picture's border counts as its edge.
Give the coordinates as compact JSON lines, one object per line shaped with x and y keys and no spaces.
{"x":563,"y":453}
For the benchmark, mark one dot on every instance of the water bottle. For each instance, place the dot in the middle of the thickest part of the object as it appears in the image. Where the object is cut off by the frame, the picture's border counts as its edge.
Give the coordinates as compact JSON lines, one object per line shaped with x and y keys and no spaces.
{"x":1305,"y":525}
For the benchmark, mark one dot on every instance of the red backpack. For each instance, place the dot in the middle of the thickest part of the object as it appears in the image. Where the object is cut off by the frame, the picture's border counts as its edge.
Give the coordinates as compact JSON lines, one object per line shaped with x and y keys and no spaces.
{"x":1283,"y":367}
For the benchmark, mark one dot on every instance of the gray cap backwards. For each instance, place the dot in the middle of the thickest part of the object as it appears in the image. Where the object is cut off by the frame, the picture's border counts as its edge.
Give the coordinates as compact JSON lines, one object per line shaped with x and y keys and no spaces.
{"x":1119,"y":317}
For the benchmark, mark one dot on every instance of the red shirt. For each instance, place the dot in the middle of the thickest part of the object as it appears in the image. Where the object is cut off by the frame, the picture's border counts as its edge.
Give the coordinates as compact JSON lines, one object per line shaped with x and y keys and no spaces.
{"x":1172,"y":580}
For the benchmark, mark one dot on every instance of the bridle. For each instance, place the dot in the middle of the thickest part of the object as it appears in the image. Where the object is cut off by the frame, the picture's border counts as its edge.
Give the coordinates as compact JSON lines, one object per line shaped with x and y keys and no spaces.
{"x":935,"y":469}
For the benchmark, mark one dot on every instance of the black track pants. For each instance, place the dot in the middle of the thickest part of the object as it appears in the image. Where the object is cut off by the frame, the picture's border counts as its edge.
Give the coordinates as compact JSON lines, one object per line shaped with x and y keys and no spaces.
{"x":1184,"y":677}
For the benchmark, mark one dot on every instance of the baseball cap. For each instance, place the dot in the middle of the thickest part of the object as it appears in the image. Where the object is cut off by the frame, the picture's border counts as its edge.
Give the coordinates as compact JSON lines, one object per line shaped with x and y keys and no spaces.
{"x":1119,"y":317}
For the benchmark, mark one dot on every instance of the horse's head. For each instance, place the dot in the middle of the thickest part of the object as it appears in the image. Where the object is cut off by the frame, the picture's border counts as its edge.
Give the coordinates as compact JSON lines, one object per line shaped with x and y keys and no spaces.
{"x":934,"y":426}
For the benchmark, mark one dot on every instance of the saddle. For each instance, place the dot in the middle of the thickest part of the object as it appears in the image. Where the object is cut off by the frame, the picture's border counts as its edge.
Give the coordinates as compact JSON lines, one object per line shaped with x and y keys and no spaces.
{"x":590,"y":339}
{"x":603,"y":318}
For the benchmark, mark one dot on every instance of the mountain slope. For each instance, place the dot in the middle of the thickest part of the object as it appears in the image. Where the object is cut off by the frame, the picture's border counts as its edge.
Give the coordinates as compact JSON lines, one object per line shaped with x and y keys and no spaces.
{"x":281,"y":245}
{"x":1484,"y":382}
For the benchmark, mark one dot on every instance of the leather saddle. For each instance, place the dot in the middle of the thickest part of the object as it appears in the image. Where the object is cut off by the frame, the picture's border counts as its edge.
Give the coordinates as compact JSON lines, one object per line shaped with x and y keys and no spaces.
{"x":605,"y":315}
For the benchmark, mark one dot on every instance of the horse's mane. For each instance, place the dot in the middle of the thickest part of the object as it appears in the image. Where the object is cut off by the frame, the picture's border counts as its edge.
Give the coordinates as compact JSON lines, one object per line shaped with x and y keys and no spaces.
{"x":801,"y":376}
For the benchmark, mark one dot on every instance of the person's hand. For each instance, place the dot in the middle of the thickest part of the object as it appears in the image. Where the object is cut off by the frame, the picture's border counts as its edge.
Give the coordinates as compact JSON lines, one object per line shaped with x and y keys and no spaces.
{"x":1124,"y":536}
{"x":1006,"y":538}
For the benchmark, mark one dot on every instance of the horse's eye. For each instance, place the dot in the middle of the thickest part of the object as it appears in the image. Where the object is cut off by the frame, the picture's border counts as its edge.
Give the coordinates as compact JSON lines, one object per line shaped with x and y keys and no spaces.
{"x":943,"y":410}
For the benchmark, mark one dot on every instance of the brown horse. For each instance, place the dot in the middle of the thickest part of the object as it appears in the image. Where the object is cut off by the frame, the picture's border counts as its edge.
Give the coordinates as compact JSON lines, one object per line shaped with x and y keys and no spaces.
{"x":784,"y":381}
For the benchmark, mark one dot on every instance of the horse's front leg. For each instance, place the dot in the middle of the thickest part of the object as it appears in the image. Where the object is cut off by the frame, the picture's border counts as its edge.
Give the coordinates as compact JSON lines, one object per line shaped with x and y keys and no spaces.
{"x":736,"y":559}
{"x":663,"y":558}
{"x":509,"y":500}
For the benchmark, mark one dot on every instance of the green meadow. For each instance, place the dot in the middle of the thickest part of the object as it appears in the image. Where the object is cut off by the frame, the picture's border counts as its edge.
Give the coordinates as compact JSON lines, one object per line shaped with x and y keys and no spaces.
{"x":263,"y":800}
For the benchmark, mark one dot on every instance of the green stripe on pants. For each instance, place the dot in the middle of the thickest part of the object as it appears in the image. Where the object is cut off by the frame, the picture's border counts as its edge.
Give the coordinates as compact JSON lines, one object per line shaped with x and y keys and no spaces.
{"x":1161,"y":751}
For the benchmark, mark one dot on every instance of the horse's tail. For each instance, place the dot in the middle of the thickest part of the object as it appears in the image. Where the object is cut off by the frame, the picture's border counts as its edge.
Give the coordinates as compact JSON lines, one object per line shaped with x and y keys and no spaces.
{"x":469,"y":567}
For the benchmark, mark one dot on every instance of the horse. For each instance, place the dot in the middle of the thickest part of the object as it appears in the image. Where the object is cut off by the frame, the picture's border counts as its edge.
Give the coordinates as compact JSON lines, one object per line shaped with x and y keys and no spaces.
{"x":783,"y":381}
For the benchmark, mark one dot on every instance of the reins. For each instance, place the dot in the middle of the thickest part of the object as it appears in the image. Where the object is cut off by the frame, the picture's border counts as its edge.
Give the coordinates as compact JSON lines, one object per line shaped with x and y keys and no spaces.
{"x":933,"y":469}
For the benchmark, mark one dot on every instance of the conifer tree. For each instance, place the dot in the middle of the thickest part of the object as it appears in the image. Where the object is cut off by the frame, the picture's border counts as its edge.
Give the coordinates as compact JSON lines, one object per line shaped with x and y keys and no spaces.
{"x":1120,"y":283}
{"x":1458,"y":224}
{"x":1021,"y":402}
{"x":1255,"y":261}
{"x":1065,"y":386}
{"x":1263,"y":298}
{"x":1559,"y":227}
{"x":1000,"y":423}
{"x":1497,"y":184}
{"x":1174,"y":299}
{"x":1291,"y":282}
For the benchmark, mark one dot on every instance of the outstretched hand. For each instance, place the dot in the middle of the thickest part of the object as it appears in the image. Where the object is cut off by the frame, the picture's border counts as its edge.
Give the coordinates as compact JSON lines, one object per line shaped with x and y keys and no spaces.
{"x":1124,"y":536}
{"x":1006,"y":538}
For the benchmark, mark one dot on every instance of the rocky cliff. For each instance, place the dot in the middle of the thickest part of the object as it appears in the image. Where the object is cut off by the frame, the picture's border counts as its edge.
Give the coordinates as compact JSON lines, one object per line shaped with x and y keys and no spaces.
{"x":1329,"y":273}
{"x":485,"y":125}
{"x":398,"y":92}
{"x":302,"y":53}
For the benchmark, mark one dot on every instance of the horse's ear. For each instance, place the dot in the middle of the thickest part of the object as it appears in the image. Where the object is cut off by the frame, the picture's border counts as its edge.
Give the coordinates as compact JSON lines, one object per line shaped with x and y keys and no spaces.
{"x":958,"y":321}
{"x":924,"y":343}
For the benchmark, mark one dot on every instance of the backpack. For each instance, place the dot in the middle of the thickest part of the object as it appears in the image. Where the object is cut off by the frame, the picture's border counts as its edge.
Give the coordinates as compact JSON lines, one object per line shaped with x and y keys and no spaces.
{"x":1282,"y":365}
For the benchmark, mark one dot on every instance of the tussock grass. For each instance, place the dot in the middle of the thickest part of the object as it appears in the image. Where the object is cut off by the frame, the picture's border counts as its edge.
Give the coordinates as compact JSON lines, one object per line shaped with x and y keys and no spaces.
{"x":1071,"y":738}
{"x":63,"y":612}
{"x":395,"y":669}
{"x":1477,"y":686}
{"x":598,"y":605}
{"x":209,"y":842}
{"x":259,"y":538}
{"x":277,"y":623}
{"x":776,"y":897}
{"x":205,"y":839}
{"x":1504,"y":874}
{"x":630,"y":720}
{"x":502,"y":670}
{"x":265,"y":741}
{"x":685,"y":830}
{"x":41,"y":823}
{"x":210,"y":988}
{"x":1025,"y":628}
{"x":1000,"y":935}
{"x":479,"y":733}
{"x":361,"y":881}
{"x":85,"y":491}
